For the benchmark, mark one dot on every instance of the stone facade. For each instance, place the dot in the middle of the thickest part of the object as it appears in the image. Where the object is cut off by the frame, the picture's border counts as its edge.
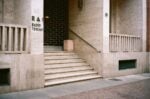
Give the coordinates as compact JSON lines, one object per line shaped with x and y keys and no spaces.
{"x":1,"y":10}
{"x":87,"y":22}
{"x":126,"y":17}
{"x":111,"y":67}
{"x":89,"y":27}
{"x":26,"y":70}
{"x":94,"y":58}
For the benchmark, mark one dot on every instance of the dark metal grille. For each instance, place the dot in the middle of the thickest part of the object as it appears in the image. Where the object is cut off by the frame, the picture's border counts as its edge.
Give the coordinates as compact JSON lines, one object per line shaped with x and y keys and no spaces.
{"x":4,"y":77}
{"x":56,"y":22}
{"x":127,"y":64}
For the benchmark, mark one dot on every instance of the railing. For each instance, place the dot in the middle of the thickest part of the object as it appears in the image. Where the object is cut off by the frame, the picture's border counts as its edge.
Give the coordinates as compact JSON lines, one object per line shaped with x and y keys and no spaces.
{"x":13,"y":38}
{"x":122,"y":42}
{"x":98,"y":51}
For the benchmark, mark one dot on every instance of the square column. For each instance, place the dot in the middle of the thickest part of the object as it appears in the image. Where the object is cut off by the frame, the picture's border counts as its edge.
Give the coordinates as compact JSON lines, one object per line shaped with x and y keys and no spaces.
{"x":37,"y":30}
{"x":144,"y":34}
{"x":106,"y":26}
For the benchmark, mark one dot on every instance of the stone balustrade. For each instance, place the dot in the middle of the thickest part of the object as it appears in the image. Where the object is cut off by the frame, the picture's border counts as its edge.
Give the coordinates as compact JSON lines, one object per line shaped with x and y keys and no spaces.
{"x":14,"y":38}
{"x":125,"y":43}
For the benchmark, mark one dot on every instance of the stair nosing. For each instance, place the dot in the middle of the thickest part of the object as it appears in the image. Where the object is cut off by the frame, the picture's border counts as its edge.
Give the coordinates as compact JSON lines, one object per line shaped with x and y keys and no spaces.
{"x":61,"y":59}
{"x":61,"y":63}
{"x":72,"y":75}
{"x":59,"y":54}
{"x":67,"y":59}
{"x":75,"y":79}
{"x":64,"y":67}
{"x":79,"y":59}
{"x":90,"y":68}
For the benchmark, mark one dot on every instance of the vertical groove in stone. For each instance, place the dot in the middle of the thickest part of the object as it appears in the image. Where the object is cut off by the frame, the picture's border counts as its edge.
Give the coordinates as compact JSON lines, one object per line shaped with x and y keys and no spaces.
{"x":148,"y":25}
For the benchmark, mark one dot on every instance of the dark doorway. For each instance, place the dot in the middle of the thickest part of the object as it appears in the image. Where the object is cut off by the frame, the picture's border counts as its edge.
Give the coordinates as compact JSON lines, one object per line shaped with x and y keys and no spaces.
{"x":55,"y":22}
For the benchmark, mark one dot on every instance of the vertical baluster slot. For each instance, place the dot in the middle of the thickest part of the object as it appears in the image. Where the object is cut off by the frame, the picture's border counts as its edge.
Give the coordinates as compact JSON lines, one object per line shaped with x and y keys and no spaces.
{"x":9,"y":38}
{"x":1,"y":38}
{"x":21,"y":39}
{"x":24,"y":39}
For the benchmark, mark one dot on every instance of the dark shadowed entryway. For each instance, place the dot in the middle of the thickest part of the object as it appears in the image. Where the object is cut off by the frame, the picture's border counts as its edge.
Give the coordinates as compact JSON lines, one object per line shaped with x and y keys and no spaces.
{"x":55,"y":23}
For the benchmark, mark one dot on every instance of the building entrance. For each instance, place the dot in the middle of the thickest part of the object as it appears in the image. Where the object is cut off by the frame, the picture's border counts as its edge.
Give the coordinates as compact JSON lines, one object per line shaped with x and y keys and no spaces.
{"x":55,"y":23}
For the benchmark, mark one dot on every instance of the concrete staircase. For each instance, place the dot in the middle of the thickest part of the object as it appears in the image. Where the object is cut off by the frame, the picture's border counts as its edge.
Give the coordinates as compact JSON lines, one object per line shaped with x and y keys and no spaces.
{"x":64,"y":67}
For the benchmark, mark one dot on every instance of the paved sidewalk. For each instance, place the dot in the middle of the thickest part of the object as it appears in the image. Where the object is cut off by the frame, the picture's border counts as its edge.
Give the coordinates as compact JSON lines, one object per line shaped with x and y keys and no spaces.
{"x":89,"y":89}
{"x":134,"y":90}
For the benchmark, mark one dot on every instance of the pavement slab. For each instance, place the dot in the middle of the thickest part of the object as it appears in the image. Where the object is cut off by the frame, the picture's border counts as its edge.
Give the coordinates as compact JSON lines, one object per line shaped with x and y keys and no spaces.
{"x":125,"y":87}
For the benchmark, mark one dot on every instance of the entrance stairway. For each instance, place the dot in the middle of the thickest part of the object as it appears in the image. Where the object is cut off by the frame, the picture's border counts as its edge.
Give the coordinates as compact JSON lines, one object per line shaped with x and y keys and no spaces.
{"x":64,"y":67}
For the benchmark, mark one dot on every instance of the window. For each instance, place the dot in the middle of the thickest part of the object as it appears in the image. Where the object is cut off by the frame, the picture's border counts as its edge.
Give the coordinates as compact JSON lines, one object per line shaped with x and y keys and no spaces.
{"x":4,"y":77}
{"x":127,"y":64}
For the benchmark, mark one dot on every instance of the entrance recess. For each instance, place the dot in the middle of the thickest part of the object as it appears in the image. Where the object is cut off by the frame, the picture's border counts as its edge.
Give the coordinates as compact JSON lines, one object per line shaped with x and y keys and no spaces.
{"x":55,"y":23}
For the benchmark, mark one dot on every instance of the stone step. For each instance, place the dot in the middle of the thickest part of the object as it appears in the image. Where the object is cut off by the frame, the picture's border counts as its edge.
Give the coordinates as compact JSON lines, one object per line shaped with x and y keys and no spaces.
{"x":61,"y":57}
{"x":71,"y":79}
{"x":70,"y":69}
{"x":69,"y":74}
{"x":65,"y":65}
{"x":63,"y":61}
{"x":53,"y":49}
{"x":59,"y":53}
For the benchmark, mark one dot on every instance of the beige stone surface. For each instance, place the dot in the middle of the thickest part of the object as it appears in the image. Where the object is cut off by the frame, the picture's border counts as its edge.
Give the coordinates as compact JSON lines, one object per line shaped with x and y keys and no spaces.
{"x":1,"y":11}
{"x":37,"y":43}
{"x":107,"y":63}
{"x":127,"y":16}
{"x":8,"y":11}
{"x":88,"y":22}
{"x":26,"y":72}
{"x":37,"y":36}
{"x":15,"y":12}
{"x":68,"y":45}
{"x":23,"y":12}
{"x":111,"y":62}
{"x":85,"y":51}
